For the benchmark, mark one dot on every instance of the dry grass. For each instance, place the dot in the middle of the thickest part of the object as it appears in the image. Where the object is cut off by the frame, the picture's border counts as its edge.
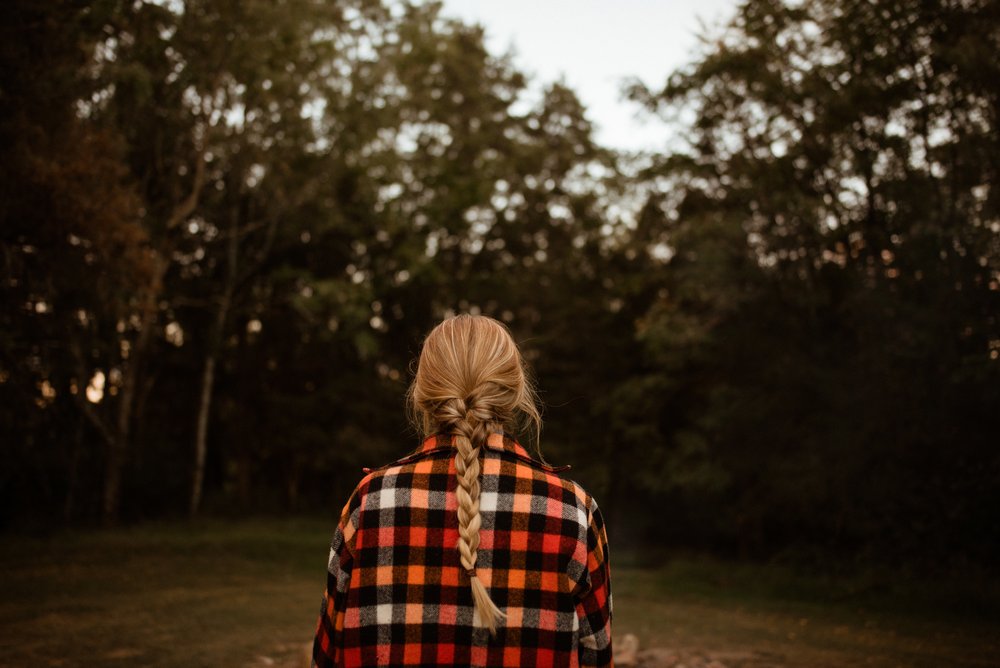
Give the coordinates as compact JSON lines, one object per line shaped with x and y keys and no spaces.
{"x":210,"y":594}
{"x":739,"y":616}
{"x":247,"y":593}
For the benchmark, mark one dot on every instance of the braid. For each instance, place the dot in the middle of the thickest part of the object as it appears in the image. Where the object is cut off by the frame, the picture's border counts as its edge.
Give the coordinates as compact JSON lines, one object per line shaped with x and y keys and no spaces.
{"x":470,"y":380}
{"x":470,"y":419}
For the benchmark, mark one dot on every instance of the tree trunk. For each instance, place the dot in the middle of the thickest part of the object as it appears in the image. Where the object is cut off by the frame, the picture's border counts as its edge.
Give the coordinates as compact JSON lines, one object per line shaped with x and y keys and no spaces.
{"x":205,"y":404}
{"x":216,"y":336}
{"x":120,"y":442}
{"x":114,"y":465}
{"x":201,"y":433}
{"x":139,"y":419}
{"x":73,"y":472}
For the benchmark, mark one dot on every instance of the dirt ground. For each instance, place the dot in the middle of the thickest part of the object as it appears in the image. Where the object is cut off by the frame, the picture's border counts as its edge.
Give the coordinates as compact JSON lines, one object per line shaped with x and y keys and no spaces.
{"x":248,"y":593}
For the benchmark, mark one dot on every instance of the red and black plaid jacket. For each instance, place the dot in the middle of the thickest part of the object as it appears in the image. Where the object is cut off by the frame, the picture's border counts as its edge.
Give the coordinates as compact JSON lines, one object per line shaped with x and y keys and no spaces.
{"x":397,"y":595}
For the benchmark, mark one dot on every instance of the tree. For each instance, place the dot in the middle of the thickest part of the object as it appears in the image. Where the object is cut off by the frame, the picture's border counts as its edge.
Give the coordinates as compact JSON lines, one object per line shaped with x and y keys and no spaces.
{"x":69,"y":212}
{"x":844,"y":151}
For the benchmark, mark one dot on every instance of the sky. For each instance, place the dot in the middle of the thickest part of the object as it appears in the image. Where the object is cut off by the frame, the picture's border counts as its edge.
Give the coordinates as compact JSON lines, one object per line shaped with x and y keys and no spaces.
{"x":593,"y":45}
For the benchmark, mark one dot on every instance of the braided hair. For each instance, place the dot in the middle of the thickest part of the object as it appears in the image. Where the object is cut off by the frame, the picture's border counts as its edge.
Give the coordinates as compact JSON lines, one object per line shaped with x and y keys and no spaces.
{"x":471,"y":381}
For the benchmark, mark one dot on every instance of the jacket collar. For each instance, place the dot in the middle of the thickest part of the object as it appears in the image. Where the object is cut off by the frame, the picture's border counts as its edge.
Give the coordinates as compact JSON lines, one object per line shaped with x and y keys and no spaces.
{"x":494,"y":441}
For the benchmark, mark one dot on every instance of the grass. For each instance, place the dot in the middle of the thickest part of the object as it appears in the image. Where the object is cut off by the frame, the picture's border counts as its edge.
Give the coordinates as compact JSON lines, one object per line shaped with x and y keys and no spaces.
{"x":218,"y":593}
{"x":205,"y":594}
{"x":798,"y":620}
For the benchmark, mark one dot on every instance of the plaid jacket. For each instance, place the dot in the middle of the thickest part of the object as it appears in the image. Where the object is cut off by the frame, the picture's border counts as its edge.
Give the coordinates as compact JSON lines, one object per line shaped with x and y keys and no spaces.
{"x":397,"y":595}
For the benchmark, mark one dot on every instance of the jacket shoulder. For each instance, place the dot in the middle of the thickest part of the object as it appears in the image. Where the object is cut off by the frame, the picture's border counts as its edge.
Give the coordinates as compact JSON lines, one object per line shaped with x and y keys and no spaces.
{"x":537,"y":463}
{"x":407,"y":459}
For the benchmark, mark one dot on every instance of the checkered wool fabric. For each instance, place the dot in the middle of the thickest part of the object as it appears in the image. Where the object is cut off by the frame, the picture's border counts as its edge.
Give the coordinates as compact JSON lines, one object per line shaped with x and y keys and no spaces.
{"x":397,"y":595}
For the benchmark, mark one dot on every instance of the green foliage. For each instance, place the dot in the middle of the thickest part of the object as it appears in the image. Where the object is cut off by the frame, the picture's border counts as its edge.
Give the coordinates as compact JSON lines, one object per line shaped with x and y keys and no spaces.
{"x":836,"y":272}
{"x":783,"y":330}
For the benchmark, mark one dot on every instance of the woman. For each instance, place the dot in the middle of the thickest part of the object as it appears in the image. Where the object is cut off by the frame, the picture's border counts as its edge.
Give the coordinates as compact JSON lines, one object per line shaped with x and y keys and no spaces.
{"x":468,"y":552}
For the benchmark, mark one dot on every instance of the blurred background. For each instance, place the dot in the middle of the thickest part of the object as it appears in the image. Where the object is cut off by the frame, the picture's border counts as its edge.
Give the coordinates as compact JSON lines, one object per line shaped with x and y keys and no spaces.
{"x":227,"y":227}
{"x":767,"y":332}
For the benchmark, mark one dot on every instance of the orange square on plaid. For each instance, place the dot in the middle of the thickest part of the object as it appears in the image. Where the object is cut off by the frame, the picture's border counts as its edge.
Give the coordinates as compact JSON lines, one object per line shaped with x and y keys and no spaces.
{"x":418,"y":536}
{"x":419,"y":498}
{"x":414,"y":613}
{"x":522,"y":504}
{"x":547,"y":620}
{"x":516,"y":579}
{"x":519,"y":541}
{"x":549,"y":581}
{"x":449,"y":577}
{"x":512,"y":656}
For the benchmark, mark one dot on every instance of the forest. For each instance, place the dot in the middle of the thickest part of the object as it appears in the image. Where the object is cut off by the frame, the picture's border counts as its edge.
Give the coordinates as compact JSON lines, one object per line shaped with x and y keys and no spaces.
{"x":226,"y":227}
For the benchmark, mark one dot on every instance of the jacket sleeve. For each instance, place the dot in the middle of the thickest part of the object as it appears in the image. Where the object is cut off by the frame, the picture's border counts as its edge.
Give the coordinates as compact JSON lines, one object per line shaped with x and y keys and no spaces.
{"x":328,"y":645}
{"x":593,"y":595}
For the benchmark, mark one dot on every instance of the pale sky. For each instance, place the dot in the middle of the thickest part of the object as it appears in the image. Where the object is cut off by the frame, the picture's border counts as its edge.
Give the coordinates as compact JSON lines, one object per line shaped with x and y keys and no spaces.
{"x":594,"y":44}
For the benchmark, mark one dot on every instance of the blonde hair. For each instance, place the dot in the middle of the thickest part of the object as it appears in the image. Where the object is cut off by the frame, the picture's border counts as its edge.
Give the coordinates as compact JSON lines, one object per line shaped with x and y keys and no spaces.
{"x":471,"y":380}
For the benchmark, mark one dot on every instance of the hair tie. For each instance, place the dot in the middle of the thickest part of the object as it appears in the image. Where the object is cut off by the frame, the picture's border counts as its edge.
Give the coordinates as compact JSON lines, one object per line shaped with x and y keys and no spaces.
{"x":471,"y":572}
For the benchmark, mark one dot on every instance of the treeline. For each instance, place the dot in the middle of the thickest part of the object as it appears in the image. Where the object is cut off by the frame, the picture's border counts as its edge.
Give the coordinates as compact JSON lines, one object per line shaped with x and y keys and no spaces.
{"x":227,"y":226}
